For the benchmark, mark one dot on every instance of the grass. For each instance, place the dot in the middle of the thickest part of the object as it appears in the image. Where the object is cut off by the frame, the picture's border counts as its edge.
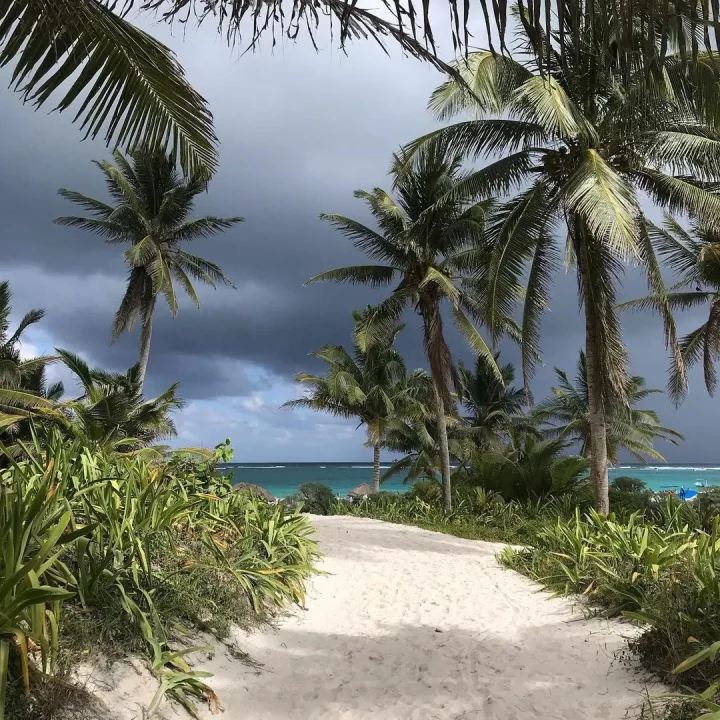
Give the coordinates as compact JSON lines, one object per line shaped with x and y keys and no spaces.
{"x":109,"y":555}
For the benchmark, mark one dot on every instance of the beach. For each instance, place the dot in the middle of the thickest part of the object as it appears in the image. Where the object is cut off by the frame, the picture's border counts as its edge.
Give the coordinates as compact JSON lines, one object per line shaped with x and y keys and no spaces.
{"x":405,"y":623}
{"x":283,"y":479}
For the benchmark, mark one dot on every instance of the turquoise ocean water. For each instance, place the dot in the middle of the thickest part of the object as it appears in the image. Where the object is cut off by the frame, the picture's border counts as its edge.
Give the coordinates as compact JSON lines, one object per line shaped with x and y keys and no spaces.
{"x":282,"y":479}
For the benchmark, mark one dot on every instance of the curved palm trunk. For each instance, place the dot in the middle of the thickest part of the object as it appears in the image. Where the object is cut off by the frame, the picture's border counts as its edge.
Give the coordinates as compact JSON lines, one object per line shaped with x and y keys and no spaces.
{"x":438,"y":354}
{"x":376,"y":467}
{"x":598,"y":428}
{"x":145,"y":339}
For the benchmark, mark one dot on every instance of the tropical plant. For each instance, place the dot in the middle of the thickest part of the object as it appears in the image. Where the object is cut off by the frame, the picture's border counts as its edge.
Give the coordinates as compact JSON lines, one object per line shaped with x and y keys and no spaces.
{"x":371,"y":384}
{"x":494,"y":409}
{"x":313,"y":497}
{"x":415,"y":438}
{"x":138,"y":549}
{"x":34,"y":523}
{"x":24,"y":391}
{"x":121,"y":80}
{"x":400,"y":22}
{"x":628,"y":428}
{"x":151,"y":210}
{"x":112,"y":412}
{"x":430,"y":241}
{"x":583,"y":135}
{"x":694,"y":255}
{"x":535,"y":469}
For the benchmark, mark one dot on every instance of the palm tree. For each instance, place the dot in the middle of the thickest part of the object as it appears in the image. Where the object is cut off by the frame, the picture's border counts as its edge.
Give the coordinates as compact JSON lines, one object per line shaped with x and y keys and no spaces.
{"x":123,"y":82}
{"x":628,"y":427}
{"x":533,"y":469}
{"x":581,"y":147}
{"x":151,"y":206}
{"x":694,"y":255}
{"x":112,"y":412}
{"x":432,"y":255}
{"x":369,"y":384}
{"x":494,"y":409}
{"x":23,"y":389}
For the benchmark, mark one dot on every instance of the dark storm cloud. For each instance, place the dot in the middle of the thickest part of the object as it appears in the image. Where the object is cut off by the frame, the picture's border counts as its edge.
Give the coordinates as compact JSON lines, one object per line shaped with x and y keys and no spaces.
{"x":300,"y":131}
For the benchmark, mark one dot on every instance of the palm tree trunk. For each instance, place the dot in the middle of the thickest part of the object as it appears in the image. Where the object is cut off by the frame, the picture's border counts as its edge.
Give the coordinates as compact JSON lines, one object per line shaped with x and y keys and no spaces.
{"x":443,"y":445}
{"x":598,"y":428}
{"x":376,"y":467}
{"x":145,"y":339}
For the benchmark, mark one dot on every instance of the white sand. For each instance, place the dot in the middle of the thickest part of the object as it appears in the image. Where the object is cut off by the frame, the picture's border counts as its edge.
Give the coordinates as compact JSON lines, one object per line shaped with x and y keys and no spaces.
{"x":410,"y":624}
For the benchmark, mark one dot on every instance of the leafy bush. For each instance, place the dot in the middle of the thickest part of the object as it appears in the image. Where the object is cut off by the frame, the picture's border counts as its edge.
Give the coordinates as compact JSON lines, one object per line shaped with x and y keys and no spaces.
{"x":628,"y":484}
{"x":534,"y":470}
{"x":313,"y":497}
{"x":428,"y":490}
{"x":664,"y":575}
{"x":123,"y":549}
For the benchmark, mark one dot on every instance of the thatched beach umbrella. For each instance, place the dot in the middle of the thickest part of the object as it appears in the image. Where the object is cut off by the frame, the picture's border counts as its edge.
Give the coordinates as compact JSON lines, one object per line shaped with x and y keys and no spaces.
{"x":361,"y":490}
{"x":255,"y":491}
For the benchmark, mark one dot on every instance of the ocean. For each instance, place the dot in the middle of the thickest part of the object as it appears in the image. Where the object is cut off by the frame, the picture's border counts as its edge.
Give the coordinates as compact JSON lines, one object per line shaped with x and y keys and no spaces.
{"x":282,"y":479}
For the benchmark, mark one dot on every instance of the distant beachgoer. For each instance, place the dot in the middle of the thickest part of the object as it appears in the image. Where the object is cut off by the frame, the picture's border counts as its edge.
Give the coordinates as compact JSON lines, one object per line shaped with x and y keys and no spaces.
{"x":681,"y":494}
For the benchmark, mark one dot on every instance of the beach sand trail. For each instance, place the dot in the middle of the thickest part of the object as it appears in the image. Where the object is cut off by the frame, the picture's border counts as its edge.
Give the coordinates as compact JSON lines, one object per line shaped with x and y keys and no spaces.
{"x":412,"y":624}
{"x":407,"y":624}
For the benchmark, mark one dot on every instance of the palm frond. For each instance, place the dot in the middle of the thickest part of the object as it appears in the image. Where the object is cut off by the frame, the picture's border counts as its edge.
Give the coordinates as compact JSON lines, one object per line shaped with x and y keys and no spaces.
{"x":372,"y":275}
{"x":133,"y":87}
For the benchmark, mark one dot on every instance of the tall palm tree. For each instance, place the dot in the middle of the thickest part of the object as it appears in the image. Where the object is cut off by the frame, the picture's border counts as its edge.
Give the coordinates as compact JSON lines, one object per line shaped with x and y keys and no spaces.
{"x":85,"y":54}
{"x":582,"y":137}
{"x":494,"y":409}
{"x":112,"y":412}
{"x":151,"y":210}
{"x":369,"y":384}
{"x":430,"y":243}
{"x":694,"y":255}
{"x":629,"y":428}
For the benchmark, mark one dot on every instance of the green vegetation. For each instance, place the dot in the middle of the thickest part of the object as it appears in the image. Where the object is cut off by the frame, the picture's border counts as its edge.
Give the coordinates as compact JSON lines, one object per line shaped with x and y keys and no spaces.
{"x":113,"y":553}
{"x":431,"y":256}
{"x":371,"y":384}
{"x":130,"y":86}
{"x":112,"y":541}
{"x":629,"y":428}
{"x":152,"y":204}
{"x":313,"y":497}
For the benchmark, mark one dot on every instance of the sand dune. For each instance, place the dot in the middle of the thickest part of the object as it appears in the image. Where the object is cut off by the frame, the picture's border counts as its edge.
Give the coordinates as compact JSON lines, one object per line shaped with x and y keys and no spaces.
{"x":410,"y":624}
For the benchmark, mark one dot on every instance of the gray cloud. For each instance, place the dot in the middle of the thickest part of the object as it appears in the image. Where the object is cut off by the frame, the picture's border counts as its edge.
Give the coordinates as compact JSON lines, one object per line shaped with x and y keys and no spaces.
{"x":300,"y":131}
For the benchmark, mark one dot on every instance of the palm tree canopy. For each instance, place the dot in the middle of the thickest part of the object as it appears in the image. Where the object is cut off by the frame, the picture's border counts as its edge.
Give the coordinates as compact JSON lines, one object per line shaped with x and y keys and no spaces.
{"x":112,"y":411}
{"x":24,"y":392}
{"x":493,"y":409}
{"x":694,"y":256}
{"x":121,"y":81}
{"x":150,"y":209}
{"x":430,"y":245}
{"x":369,"y":384}
{"x":578,"y":150}
{"x":628,"y":427}
{"x":408,"y":23}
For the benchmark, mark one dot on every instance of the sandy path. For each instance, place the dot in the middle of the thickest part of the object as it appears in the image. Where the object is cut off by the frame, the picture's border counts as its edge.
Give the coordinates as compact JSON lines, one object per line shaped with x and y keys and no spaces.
{"x":410,"y":624}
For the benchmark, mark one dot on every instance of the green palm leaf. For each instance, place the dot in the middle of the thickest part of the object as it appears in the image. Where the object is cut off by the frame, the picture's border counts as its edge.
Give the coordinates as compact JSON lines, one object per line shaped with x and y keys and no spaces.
{"x":123,"y":81}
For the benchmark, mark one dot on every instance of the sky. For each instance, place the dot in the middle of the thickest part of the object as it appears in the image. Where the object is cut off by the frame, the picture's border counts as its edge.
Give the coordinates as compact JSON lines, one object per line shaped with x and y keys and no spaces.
{"x":300,"y":131}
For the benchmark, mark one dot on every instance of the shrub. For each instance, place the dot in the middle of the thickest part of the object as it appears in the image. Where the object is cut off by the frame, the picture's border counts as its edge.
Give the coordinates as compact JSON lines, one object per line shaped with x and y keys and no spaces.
{"x":428,"y":490}
{"x":313,"y":497}
{"x":628,"y":484}
{"x":130,"y":547}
